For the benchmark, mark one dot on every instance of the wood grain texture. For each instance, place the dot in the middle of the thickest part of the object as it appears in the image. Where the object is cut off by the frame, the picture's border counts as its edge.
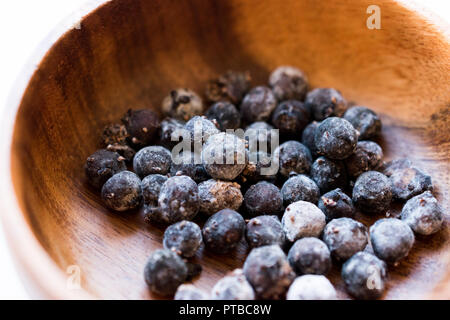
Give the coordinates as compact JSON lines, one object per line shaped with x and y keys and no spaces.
{"x":131,"y":53}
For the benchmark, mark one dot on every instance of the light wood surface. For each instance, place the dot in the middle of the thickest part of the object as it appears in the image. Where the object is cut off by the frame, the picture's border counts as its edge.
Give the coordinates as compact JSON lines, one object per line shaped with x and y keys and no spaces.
{"x":131,"y":53}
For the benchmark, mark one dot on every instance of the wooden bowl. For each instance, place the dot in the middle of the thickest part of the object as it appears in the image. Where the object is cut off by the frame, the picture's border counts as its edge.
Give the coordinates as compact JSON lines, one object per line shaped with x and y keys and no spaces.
{"x":131,"y":53}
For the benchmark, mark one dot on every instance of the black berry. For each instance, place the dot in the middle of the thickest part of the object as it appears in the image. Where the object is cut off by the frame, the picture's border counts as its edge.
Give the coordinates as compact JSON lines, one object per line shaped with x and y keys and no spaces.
{"x":142,"y":126}
{"x":345,"y":237}
{"x":372,"y":192}
{"x":336,"y":204}
{"x":259,"y":167}
{"x":178,"y":200}
{"x":300,"y":187}
{"x":325,"y":102}
{"x":151,"y":187}
{"x":122,"y":192}
{"x":292,"y":156}
{"x":268,"y":271}
{"x":231,"y":86}
{"x":184,"y":238}
{"x":263,"y":198}
{"x":409,"y":182}
{"x":335,"y":138}
{"x":288,"y":83}
{"x":265,"y":230}
{"x":368,"y":156}
{"x":225,"y":114}
{"x":171,"y":132}
{"x":391,"y":239}
{"x":290,"y":117}
{"x":365,"y":121}
{"x":329,"y":174}
{"x":310,"y":256}
{"x":200,"y":129}
{"x":189,"y":164}
{"x":423,"y":214}
{"x":364,"y":276}
{"x":165,"y":272}
{"x":222,"y":147}
{"x":152,"y":160}
{"x":223,"y":231}
{"x":182,"y":104}
{"x":102,"y":165}
{"x":258,"y":105}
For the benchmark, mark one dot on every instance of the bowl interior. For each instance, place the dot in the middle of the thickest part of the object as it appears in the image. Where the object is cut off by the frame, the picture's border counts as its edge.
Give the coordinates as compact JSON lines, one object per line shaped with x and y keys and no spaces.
{"x":131,"y":53}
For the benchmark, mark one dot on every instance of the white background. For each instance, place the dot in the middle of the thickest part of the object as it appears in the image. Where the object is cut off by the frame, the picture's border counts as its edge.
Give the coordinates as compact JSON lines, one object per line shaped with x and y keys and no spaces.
{"x":23,"y":25}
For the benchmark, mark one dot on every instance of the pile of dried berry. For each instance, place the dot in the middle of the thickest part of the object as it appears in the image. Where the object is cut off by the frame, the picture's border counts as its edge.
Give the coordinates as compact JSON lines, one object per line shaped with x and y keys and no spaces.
{"x":301,"y":217}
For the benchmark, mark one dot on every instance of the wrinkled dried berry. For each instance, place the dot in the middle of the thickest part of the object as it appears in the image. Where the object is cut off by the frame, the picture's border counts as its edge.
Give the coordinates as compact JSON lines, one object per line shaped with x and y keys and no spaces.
{"x":165,"y":272}
{"x":310,"y":256}
{"x":263,"y":198}
{"x":389,"y":168}
{"x":260,"y":134}
{"x":345,"y":237}
{"x":288,"y":83}
{"x":102,"y":165}
{"x":224,"y":156}
{"x":231,"y":86}
{"x":233,"y":287}
{"x":142,"y":126}
{"x":182,"y":104}
{"x":265,"y":230}
{"x":183,"y":238}
{"x":190,"y":292}
{"x":364,"y":276}
{"x":152,"y":160}
{"x":365,"y":121}
{"x":372,"y":192}
{"x":302,"y":219}
{"x":178,"y":200}
{"x":223,"y":231}
{"x":368,"y":156}
{"x":151,"y":187}
{"x":335,"y":138}
{"x":216,"y":195}
{"x":423,"y":214}
{"x":268,"y":271}
{"x":200,"y":129}
{"x":171,"y":132}
{"x":391,"y":239}
{"x":258,"y":105}
{"x":329,"y":174}
{"x":311,"y":287}
{"x":308,"y":137}
{"x":189,"y":164}
{"x":409,"y":182}
{"x":292,"y":156}
{"x":336,"y":204}
{"x":300,"y":187}
{"x":290,"y":117}
{"x":259,"y":167}
{"x":325,"y":102}
{"x":225,"y":114}
{"x":122,"y":192}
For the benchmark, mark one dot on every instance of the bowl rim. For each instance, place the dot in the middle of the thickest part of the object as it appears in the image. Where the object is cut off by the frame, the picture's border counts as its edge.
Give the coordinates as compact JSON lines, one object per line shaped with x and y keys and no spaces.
{"x":30,"y":258}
